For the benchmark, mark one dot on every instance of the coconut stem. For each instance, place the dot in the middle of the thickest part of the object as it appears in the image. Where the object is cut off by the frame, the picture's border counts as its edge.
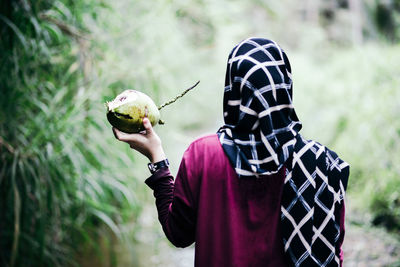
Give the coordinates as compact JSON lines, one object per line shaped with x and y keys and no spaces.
{"x":178,"y":96}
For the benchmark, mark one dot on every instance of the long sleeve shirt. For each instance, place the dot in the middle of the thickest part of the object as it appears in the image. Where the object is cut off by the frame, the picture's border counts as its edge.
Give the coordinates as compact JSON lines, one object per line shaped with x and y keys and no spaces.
{"x":233,"y":222}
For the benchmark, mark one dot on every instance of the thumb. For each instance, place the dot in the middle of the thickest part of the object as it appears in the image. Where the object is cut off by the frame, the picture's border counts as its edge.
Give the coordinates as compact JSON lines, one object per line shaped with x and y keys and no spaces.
{"x":147,"y":126}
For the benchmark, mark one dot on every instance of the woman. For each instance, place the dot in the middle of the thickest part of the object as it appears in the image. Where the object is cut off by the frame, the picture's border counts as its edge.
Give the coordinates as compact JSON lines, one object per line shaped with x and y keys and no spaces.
{"x":256,"y":193}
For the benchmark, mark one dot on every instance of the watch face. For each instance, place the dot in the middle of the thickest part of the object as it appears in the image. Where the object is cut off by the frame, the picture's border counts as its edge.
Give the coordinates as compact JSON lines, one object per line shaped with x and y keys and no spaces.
{"x":153,"y":167}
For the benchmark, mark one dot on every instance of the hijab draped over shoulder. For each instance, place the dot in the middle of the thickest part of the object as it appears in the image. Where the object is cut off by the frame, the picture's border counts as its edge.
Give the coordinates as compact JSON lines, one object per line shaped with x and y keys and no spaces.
{"x":261,"y":135}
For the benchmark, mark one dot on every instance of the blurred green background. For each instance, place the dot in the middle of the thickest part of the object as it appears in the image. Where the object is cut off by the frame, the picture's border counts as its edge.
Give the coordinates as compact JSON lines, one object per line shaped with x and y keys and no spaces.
{"x":71,"y":195}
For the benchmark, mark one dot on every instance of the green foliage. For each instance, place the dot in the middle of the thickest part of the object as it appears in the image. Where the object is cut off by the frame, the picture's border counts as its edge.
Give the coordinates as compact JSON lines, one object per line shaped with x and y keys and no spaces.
{"x":57,"y":189}
{"x":64,"y":188}
{"x":348,"y":99}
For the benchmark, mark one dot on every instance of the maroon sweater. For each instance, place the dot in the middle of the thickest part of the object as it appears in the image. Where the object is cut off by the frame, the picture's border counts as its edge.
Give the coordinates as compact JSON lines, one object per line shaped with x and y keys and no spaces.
{"x":234,"y":222}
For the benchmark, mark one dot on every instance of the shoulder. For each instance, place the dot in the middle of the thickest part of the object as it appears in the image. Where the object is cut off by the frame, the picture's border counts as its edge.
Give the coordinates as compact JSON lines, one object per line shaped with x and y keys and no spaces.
{"x":328,"y":161}
{"x":204,"y":148}
{"x":330,"y":157}
{"x":205,"y":142}
{"x":204,"y":155}
{"x":338,"y":170}
{"x":206,"y":139}
{"x":333,"y":161}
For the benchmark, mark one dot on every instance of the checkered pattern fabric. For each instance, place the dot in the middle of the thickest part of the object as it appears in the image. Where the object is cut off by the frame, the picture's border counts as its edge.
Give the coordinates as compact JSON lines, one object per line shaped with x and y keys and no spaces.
{"x":261,"y":134}
{"x":260,"y":121}
{"x":313,"y":195}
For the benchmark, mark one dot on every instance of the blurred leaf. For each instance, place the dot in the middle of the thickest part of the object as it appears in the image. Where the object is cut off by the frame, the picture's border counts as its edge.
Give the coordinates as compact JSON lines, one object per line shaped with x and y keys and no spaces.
{"x":16,"y":31}
{"x":108,"y":221}
{"x":53,"y":31}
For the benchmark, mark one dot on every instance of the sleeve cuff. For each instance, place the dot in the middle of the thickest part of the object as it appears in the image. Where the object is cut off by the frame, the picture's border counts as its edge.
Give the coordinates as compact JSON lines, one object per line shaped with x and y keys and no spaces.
{"x":159,"y":175}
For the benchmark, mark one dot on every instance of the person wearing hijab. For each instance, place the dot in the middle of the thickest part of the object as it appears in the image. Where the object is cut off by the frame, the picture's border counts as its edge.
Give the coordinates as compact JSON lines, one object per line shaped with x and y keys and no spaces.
{"x":256,"y":193}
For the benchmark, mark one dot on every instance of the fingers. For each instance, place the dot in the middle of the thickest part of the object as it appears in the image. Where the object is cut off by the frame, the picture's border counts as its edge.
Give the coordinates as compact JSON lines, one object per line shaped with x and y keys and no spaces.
{"x":147,"y":126}
{"x":117,"y":133}
{"x":125,"y":137}
{"x":114,"y":132}
{"x":147,"y":142}
{"x":135,"y":137}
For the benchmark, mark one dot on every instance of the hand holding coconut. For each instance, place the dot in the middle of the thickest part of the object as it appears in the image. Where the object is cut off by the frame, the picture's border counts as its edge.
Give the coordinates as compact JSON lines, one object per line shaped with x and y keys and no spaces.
{"x":147,"y":142}
{"x":127,"y":111}
{"x":133,"y":115}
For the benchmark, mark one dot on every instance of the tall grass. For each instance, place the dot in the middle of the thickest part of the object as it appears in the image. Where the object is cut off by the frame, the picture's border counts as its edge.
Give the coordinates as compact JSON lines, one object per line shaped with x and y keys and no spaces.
{"x":59,"y":194}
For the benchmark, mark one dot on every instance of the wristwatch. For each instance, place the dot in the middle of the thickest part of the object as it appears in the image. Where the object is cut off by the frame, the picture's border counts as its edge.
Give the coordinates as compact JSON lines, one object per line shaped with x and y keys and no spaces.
{"x":153,"y":167}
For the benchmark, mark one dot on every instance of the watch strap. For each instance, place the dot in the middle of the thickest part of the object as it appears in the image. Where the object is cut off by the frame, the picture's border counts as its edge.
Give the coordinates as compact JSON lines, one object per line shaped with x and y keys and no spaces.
{"x":153,"y":167}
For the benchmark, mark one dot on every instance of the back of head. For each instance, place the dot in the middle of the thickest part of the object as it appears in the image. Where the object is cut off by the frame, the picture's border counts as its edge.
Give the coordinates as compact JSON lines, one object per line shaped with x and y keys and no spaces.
{"x":260,"y":120}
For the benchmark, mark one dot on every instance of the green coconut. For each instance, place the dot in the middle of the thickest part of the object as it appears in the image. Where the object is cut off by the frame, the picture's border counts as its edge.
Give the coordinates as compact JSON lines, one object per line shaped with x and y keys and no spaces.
{"x":127,"y":111}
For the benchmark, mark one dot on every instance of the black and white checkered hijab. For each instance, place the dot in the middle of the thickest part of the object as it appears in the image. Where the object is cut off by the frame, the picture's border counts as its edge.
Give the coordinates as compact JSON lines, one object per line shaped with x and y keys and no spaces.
{"x":260,"y":121}
{"x":261,"y":134}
